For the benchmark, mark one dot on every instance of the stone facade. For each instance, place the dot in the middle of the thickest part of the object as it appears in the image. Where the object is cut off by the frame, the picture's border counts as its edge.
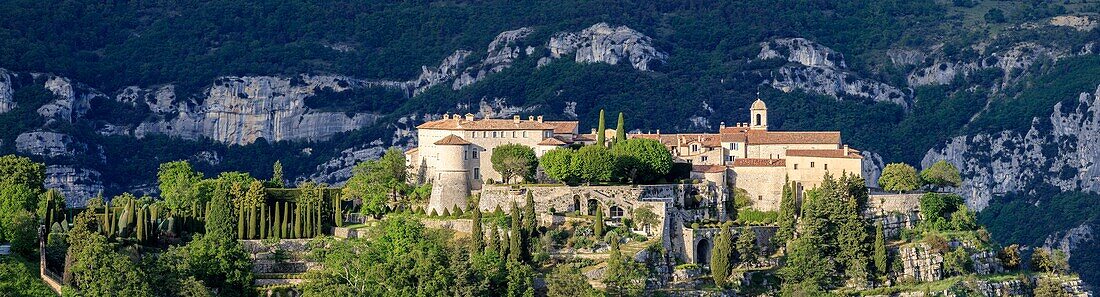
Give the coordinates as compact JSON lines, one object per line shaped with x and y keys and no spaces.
{"x":920,"y":264}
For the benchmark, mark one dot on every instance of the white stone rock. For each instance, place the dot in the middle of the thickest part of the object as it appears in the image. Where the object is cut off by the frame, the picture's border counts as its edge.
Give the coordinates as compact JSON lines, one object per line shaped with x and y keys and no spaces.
{"x":818,"y":69}
{"x":77,"y":185}
{"x":46,"y":144}
{"x":7,"y":102}
{"x":602,"y":43}
{"x":1078,"y":22}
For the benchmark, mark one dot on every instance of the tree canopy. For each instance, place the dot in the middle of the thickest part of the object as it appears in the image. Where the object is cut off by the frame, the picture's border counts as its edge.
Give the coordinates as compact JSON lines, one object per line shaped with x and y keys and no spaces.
{"x":899,"y":177}
{"x":514,"y":160}
{"x":941,"y":174}
{"x":377,"y":181}
{"x":641,"y":160}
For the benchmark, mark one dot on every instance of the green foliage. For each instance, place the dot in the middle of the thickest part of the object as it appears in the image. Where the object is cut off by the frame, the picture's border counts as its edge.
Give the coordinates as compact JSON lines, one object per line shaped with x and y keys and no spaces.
{"x":641,"y":160}
{"x":20,"y":228}
{"x":623,"y":276}
{"x":277,"y":178}
{"x":995,"y":15}
{"x":787,"y":219}
{"x":567,"y":281}
{"x":598,"y":224}
{"x":749,"y":216}
{"x":514,"y":160}
{"x":15,"y":170}
{"x":1010,"y":256}
{"x":880,"y":250}
{"x":644,"y":217}
{"x":747,"y":250}
{"x":831,"y":228}
{"x":941,"y":174}
{"x":939,"y":210}
{"x":1049,"y":287}
{"x":98,"y":269}
{"x":601,"y":129}
{"x":520,"y":279}
{"x":477,"y":234}
{"x":19,"y":277}
{"x":376,"y":181}
{"x":177,"y":182}
{"x":620,"y":130}
{"x":721,"y":259}
{"x":957,"y":262}
{"x":594,"y":163}
{"x":515,"y":237}
{"x":558,"y":165}
{"x":899,"y":177}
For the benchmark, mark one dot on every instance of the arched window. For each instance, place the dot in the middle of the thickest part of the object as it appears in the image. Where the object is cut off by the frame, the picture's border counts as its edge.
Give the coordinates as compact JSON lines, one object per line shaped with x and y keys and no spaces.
{"x":616,"y":212}
{"x":758,"y":119}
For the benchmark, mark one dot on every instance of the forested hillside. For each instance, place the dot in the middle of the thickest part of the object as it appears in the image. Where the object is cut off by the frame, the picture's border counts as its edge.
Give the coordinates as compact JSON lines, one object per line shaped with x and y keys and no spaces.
{"x":104,"y":92}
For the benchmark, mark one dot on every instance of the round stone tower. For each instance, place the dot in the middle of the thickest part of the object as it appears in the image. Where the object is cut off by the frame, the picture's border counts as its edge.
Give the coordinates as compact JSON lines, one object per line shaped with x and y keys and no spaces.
{"x":451,"y":183}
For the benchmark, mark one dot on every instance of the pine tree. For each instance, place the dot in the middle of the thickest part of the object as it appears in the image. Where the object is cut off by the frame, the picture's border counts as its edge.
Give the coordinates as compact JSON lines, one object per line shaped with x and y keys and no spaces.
{"x":720,"y":259}
{"x":620,"y":130}
{"x":601,"y":139}
{"x":477,"y":238}
{"x":598,"y":224}
{"x":880,"y":250}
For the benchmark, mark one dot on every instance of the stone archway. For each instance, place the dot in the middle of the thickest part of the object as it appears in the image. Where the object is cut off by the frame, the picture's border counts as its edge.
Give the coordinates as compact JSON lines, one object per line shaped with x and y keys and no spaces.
{"x":577,"y":203}
{"x":593,"y":206}
{"x":702,"y":252}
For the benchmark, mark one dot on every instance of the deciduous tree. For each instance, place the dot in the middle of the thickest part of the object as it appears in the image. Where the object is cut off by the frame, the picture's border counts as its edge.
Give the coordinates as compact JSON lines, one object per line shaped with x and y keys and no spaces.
{"x":514,"y":160}
{"x":941,"y":174}
{"x":899,"y":177}
{"x":558,"y":165}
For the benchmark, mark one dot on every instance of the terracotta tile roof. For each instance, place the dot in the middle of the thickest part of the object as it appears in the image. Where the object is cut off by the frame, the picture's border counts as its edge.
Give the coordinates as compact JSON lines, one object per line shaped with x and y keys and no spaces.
{"x":552,"y":141}
{"x":732,"y":130}
{"x":708,"y":168}
{"x":683,"y":140}
{"x":585,"y":137}
{"x":412,"y":150}
{"x":774,"y":137}
{"x":733,"y":137}
{"x":564,"y":127}
{"x":753,"y":162}
{"x":486,"y":124}
{"x":837,"y":153}
{"x":452,"y":140}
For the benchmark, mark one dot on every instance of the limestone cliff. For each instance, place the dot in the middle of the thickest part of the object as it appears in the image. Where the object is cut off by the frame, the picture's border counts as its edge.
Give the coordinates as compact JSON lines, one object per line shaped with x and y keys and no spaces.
{"x":47,"y":144}
{"x":1062,"y":151}
{"x":602,"y":43}
{"x":72,"y":102}
{"x":7,"y":103}
{"x":240,"y":110}
{"x":76,"y":184}
{"x":815,"y":68}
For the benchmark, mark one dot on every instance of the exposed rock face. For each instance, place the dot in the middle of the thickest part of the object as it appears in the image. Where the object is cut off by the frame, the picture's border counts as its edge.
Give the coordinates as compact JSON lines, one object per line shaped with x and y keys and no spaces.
{"x":1063,"y":152}
{"x":7,"y":103}
{"x":71,"y":103}
{"x":338,"y":170}
{"x":920,"y":264}
{"x":1071,"y":239}
{"x":906,"y":56}
{"x":1019,"y":57}
{"x":240,"y":110}
{"x":1079,"y":22}
{"x":502,"y":52}
{"x":872,"y":168}
{"x":602,"y":43}
{"x":986,"y":262}
{"x":46,"y":144}
{"x":821,"y":70}
{"x":76,"y":184}
{"x":159,"y":99}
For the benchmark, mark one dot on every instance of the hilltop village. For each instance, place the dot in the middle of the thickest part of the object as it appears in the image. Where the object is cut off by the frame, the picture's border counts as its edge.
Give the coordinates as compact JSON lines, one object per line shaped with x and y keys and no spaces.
{"x":532,"y":207}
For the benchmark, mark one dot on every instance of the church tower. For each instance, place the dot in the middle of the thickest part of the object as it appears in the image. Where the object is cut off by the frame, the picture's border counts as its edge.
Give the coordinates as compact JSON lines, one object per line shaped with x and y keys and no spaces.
{"x":759,"y":118}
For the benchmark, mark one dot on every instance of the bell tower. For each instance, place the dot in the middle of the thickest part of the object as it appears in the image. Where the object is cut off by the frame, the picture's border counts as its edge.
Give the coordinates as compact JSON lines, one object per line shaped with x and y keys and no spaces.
{"x":759,"y":118}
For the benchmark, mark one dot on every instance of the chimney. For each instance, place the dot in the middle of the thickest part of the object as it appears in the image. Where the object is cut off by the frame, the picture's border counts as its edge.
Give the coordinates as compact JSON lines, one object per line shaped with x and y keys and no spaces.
{"x":721,"y":125}
{"x":658,"y":132}
{"x":530,"y":118}
{"x":446,"y":116}
{"x":845,"y":150}
{"x":515,"y":119}
{"x":540,"y":119}
{"x":593,"y":131}
{"x":469,"y":117}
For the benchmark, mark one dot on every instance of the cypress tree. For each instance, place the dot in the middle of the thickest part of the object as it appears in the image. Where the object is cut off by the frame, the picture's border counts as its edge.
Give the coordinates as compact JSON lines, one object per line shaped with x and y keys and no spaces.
{"x":297,"y":220}
{"x":529,"y":222}
{"x":263,"y":221}
{"x":880,"y":250}
{"x":787,"y":216}
{"x":139,"y":229}
{"x":253,"y":225}
{"x":721,"y":255}
{"x":492,"y":245}
{"x":506,"y":244}
{"x":240,"y":224}
{"x":516,"y":240}
{"x":601,"y":139}
{"x":620,"y":130}
{"x":278,"y":220}
{"x":477,"y":238}
{"x":598,"y":224}
{"x":338,"y":215}
{"x":317,"y":231}
{"x":746,"y":244}
{"x":219,"y":222}
{"x":285,"y":225}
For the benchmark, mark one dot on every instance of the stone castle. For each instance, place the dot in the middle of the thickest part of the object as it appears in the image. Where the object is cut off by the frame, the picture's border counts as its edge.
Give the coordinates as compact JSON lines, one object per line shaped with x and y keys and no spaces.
{"x":454,"y":155}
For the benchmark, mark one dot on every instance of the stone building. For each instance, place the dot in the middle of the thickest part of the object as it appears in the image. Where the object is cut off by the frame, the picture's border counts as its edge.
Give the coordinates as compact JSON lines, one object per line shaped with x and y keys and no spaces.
{"x":454,"y":155}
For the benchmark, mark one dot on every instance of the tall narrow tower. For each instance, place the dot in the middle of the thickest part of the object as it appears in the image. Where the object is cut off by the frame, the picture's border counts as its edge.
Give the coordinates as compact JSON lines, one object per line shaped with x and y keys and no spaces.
{"x":451,"y":183}
{"x":759,"y":118}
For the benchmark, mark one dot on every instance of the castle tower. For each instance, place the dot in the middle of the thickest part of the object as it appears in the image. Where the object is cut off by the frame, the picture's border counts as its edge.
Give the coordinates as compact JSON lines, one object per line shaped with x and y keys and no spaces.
{"x":451,"y":184}
{"x":759,"y":118}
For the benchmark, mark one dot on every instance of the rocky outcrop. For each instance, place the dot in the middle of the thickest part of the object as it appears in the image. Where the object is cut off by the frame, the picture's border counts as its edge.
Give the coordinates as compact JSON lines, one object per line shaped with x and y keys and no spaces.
{"x":817,"y":69}
{"x":501,"y":53}
{"x":1062,"y":151}
{"x":76,"y":184}
{"x":1020,"y":56}
{"x":72,"y":100}
{"x":46,"y":144}
{"x":7,"y":102}
{"x":1071,"y":239}
{"x":159,"y":99}
{"x":338,"y":170}
{"x":872,"y":168}
{"x":602,"y":43}
{"x":1078,"y":22}
{"x":240,"y":110}
{"x":920,"y":264}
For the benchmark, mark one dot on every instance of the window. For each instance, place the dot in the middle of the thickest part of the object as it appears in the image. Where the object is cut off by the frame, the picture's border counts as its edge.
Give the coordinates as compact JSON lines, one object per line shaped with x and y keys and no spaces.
{"x":616,"y":212}
{"x":758,"y":119}
{"x":729,"y":158}
{"x":811,"y":164}
{"x":795,"y":166}
{"x":704,"y":159}
{"x":524,"y":134}
{"x":733,"y":145}
{"x":477,"y":173}
{"x":494,"y":134}
{"x":694,"y":147}
{"x":473,"y":154}
{"x":513,"y":134}
{"x":826,"y":166}
{"x":761,"y":197}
